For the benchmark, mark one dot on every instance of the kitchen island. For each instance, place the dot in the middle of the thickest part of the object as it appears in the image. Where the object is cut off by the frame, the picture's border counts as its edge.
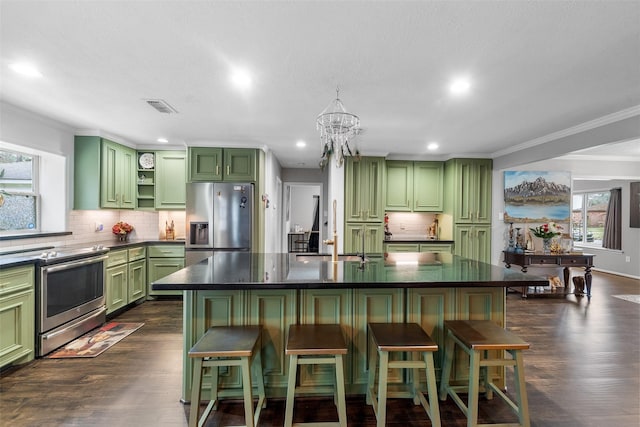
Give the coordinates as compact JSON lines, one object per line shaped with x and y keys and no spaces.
{"x":277,"y":290}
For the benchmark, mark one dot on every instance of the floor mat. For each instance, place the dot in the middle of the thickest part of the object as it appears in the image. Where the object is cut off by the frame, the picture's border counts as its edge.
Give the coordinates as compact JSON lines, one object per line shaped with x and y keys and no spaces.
{"x":632,"y":298}
{"x":95,"y":342}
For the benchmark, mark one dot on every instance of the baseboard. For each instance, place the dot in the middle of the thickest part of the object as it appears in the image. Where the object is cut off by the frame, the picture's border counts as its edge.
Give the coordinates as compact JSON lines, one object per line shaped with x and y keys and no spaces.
{"x":615,"y":273}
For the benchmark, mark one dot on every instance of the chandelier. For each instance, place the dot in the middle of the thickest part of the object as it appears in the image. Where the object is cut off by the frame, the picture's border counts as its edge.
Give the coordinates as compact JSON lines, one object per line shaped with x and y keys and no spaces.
{"x":337,"y":129}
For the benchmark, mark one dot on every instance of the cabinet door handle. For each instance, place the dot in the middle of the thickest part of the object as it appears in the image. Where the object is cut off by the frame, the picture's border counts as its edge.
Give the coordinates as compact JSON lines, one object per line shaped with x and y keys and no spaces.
{"x":217,"y":169}
{"x":228,"y":169}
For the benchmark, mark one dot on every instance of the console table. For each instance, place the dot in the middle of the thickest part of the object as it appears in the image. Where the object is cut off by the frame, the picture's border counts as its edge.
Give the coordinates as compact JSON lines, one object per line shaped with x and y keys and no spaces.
{"x":566,"y":260}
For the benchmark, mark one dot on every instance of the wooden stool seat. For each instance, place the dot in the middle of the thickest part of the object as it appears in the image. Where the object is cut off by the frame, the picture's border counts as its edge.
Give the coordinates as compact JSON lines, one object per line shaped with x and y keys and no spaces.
{"x":477,"y":338}
{"x":315,"y":345}
{"x":227,"y":346}
{"x":402,"y":337}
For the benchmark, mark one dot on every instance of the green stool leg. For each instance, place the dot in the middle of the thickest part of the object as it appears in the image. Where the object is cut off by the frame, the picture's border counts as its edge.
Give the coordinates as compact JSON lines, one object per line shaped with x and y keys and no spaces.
{"x":521,"y":390}
{"x":474,"y":386}
{"x":246,"y":390}
{"x":195,"y":392}
{"x":291,"y":390}
{"x":382,"y":388}
{"x":342,"y":410}
{"x":432,"y":389}
{"x":446,"y":369}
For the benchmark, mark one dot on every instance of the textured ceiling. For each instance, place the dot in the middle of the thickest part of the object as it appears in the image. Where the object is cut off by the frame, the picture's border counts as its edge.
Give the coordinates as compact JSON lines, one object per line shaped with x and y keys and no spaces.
{"x":536,"y":67}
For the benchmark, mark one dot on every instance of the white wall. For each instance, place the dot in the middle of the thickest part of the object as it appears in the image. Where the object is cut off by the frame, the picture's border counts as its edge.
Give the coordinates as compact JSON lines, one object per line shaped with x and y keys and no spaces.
{"x":274,"y":212}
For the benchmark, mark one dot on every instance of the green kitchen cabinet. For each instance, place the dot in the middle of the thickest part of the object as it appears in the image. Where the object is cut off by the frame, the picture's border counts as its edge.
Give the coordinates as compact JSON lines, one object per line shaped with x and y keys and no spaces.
{"x":146,"y":181}
{"x":468,"y":186}
{"x":399,"y":186}
{"x":414,"y":186}
{"x":326,"y":306}
{"x":401,"y":247}
{"x":221,"y":164}
{"x":170,"y":188}
{"x":137,"y":286}
{"x":163,"y":260}
{"x":430,"y":308}
{"x":17,"y":315}
{"x":373,"y":305}
{"x":104,"y":174}
{"x":428,"y":186}
{"x":436,"y":247}
{"x":274,"y":310}
{"x":473,"y":241}
{"x":117,"y":280}
{"x":364,"y":197}
{"x":373,"y":237}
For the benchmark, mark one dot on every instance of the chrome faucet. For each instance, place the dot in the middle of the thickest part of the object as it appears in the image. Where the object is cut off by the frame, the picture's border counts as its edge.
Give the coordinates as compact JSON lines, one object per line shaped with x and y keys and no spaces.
{"x":362,"y":254}
{"x":333,"y":242}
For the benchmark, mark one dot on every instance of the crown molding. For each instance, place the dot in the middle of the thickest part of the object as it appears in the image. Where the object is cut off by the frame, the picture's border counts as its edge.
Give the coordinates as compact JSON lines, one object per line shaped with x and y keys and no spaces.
{"x":592,"y":124}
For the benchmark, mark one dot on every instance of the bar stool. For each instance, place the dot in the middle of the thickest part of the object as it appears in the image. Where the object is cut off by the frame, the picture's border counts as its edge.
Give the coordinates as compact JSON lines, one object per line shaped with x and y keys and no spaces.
{"x":402,"y":337}
{"x":316,"y":345}
{"x":227,"y":346}
{"x":476,"y":338}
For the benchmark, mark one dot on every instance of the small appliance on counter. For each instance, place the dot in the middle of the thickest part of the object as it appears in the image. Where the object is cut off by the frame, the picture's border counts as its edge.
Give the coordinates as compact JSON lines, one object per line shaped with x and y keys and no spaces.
{"x":219,"y":217}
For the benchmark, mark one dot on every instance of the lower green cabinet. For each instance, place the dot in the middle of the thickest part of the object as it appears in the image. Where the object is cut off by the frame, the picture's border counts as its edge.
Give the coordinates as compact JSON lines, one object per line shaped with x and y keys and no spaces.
{"x":17,"y":315}
{"x":353,"y":234}
{"x":125,"y":277}
{"x":137,"y":280}
{"x":473,"y":242}
{"x":163,"y":260}
{"x":327,"y":306}
{"x":116,"y":280}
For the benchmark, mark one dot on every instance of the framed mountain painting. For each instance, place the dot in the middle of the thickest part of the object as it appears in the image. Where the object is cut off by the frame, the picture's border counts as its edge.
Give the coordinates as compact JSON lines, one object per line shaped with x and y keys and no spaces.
{"x":537,"y":196}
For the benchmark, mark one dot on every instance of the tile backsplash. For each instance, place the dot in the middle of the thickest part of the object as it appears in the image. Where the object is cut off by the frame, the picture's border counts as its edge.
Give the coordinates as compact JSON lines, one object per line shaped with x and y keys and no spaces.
{"x":82,"y":225}
{"x":410,"y":224}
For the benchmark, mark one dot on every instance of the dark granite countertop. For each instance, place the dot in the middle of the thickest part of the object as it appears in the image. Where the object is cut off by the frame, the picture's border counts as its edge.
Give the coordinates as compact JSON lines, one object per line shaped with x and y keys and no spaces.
{"x":30,"y":256}
{"x":243,"y":270}
{"x":417,"y":240}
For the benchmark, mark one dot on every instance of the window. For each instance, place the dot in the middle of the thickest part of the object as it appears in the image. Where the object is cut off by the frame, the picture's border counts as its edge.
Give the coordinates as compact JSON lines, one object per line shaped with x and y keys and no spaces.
{"x":588,"y":216}
{"x":18,"y":191}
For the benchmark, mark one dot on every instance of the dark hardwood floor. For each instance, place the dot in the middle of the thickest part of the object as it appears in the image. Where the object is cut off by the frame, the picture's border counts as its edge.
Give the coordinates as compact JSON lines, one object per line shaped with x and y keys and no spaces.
{"x":583,"y":370}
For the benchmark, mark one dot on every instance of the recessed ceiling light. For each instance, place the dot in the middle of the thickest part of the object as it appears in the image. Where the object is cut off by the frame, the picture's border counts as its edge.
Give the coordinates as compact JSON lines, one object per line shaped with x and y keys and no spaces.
{"x":432,"y":146}
{"x":241,"y":78}
{"x":25,"y":69}
{"x":301,"y":144}
{"x":162,"y":140}
{"x":460,"y":86}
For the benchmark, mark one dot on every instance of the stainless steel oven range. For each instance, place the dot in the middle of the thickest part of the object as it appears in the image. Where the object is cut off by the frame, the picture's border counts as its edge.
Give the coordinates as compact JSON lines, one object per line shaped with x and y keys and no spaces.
{"x":70,"y":295}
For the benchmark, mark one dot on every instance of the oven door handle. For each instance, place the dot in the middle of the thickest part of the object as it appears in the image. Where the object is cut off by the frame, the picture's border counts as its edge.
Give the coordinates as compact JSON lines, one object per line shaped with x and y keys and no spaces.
{"x":73,"y":324}
{"x":72,"y":264}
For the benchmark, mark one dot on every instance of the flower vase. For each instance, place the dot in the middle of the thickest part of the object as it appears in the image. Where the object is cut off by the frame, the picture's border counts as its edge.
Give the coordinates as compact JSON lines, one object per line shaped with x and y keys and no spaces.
{"x":546,"y":246}
{"x":123,"y":237}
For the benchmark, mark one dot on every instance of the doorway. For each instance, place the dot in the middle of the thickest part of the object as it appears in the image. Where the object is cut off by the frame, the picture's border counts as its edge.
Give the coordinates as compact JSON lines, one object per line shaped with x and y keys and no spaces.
{"x":302,"y":219}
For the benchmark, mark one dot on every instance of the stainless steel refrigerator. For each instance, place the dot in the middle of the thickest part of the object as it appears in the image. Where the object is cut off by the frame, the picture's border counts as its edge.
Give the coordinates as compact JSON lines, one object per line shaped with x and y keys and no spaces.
{"x":219,"y":217}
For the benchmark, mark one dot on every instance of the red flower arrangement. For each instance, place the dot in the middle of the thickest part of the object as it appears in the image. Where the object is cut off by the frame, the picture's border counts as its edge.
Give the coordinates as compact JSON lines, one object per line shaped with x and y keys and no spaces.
{"x":122,"y":228}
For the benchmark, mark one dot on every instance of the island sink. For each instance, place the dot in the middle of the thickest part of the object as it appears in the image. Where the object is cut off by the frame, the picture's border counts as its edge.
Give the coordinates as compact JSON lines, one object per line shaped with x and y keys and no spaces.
{"x":327,"y":257}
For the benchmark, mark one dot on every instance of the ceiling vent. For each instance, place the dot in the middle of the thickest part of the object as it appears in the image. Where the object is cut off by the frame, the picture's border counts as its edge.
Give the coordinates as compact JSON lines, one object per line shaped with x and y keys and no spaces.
{"x":161,"y":105}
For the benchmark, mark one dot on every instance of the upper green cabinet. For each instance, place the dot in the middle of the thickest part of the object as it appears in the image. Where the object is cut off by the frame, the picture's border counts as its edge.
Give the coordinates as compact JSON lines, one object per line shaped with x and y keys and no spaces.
{"x":414,"y":186}
{"x":104,"y":174}
{"x":364,"y":199}
{"x":468,"y":184}
{"x":170,"y":189}
{"x":222,"y":164}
